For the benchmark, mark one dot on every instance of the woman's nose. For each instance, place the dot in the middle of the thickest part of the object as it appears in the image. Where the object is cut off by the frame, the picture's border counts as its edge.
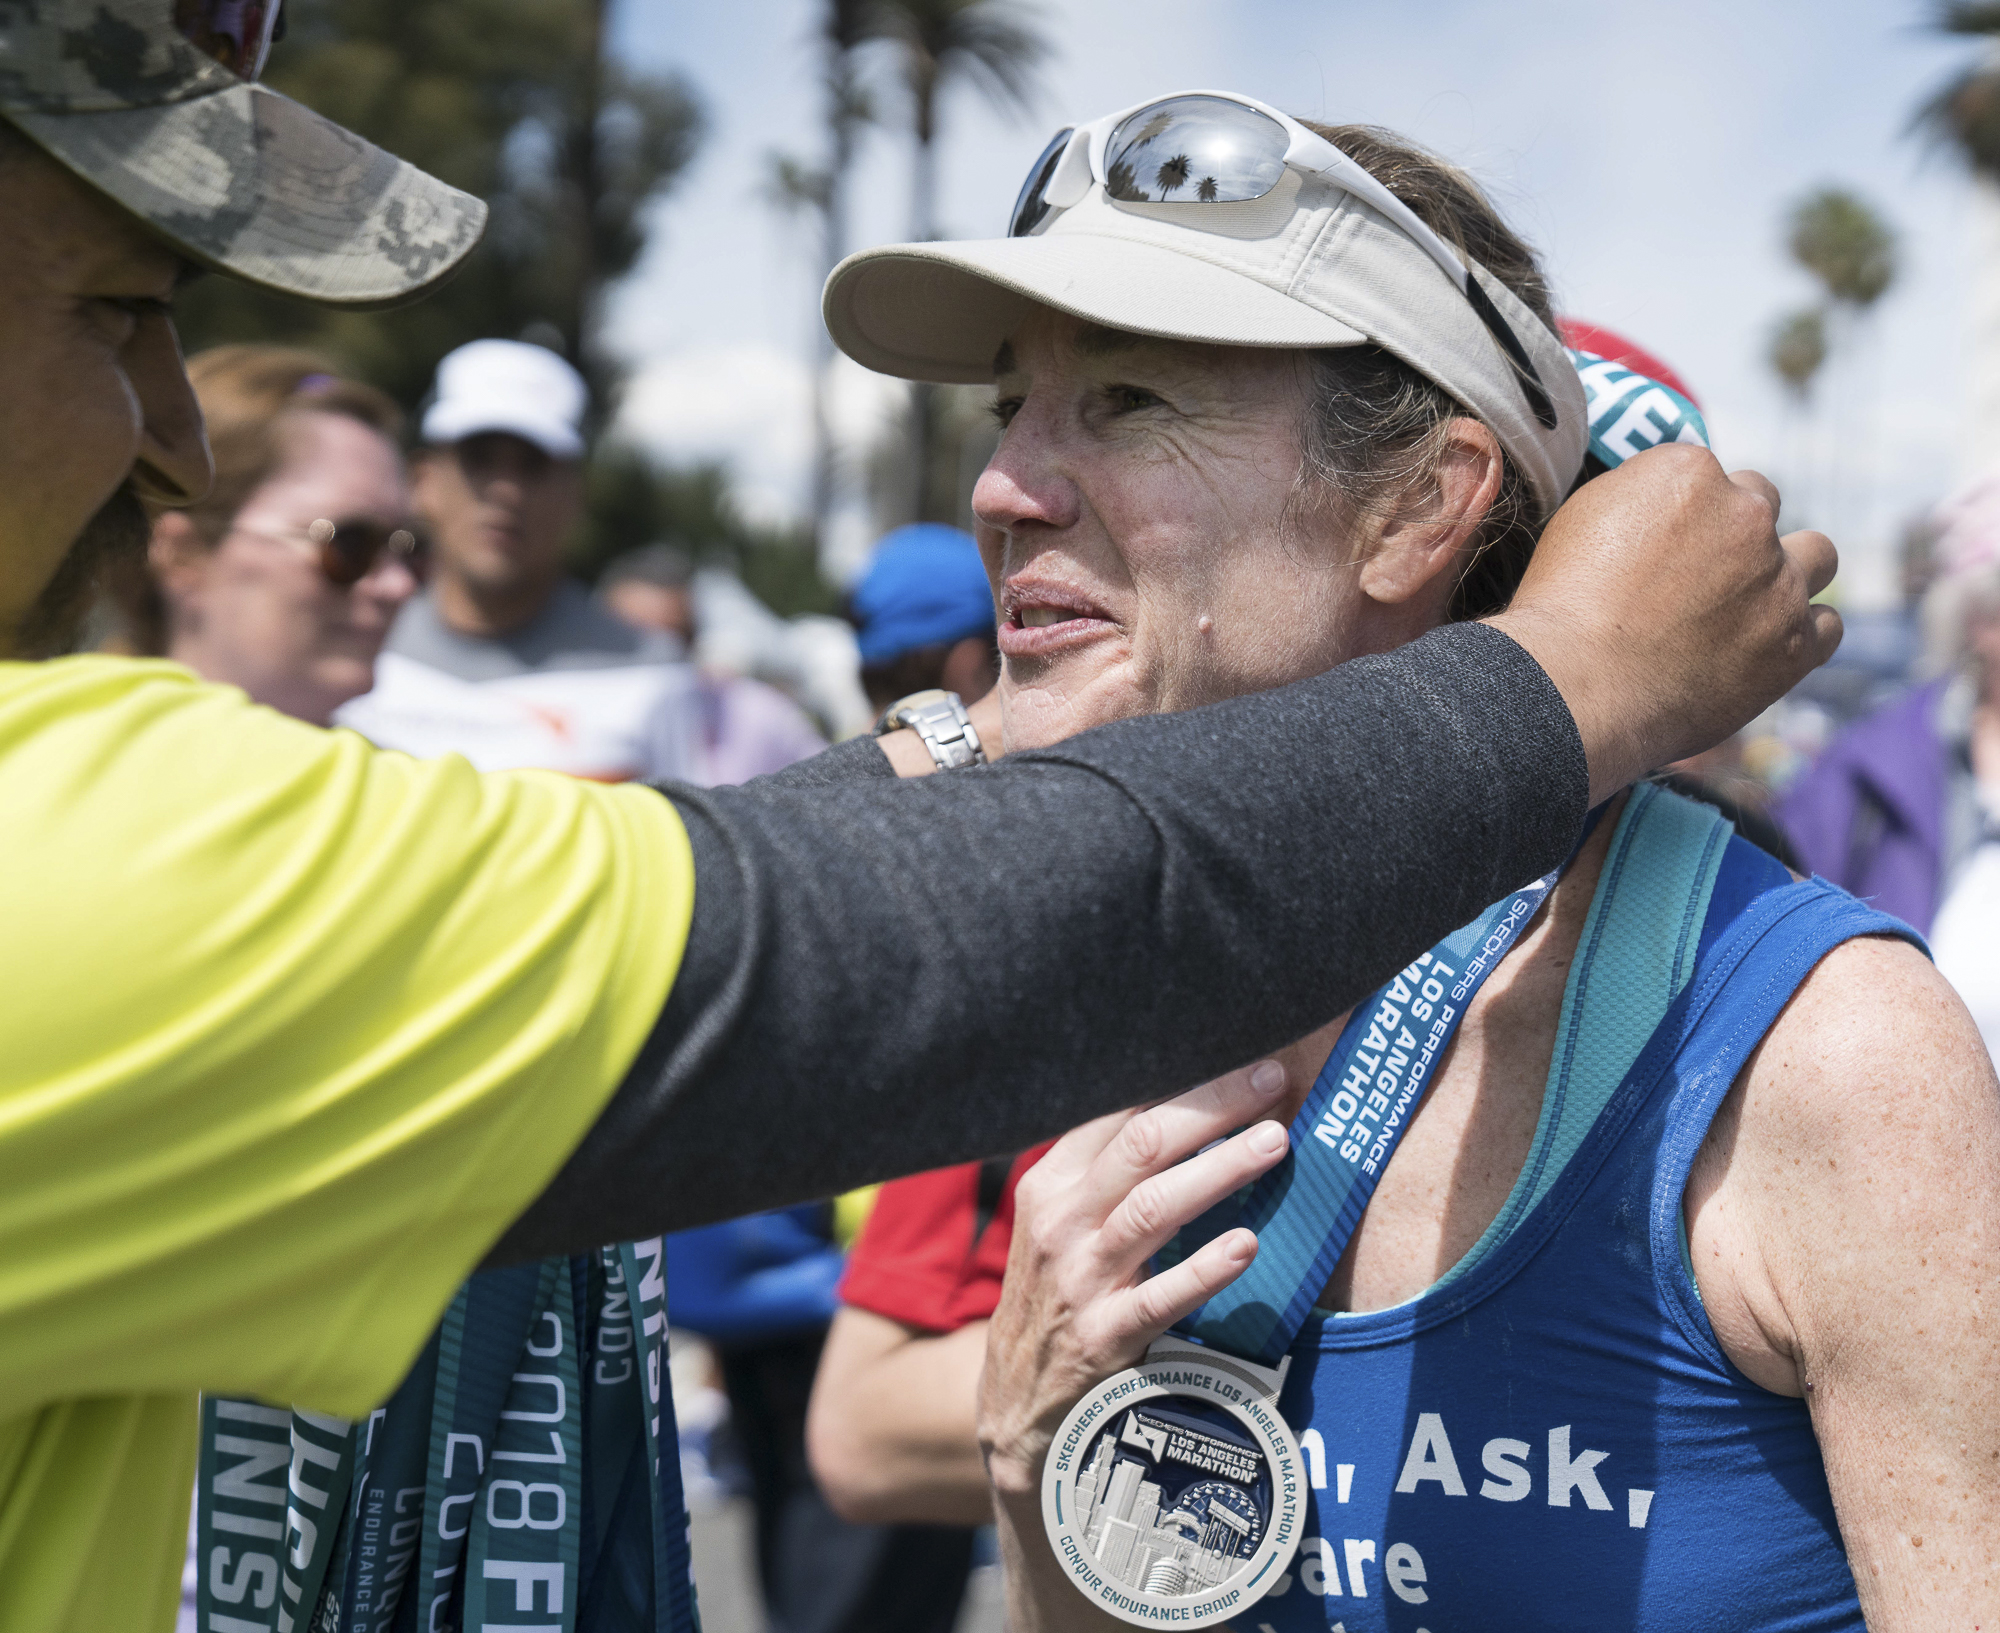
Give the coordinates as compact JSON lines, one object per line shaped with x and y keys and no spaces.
{"x":1027,"y":481}
{"x":390,"y":581}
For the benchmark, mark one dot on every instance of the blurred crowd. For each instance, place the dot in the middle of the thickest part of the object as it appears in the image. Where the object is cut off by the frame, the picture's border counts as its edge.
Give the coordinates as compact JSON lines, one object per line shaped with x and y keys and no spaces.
{"x":411,"y":582}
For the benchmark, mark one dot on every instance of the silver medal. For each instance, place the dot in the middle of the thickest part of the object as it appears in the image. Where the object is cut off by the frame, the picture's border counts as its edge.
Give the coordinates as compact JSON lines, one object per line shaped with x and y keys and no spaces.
{"x":1173,"y":1493}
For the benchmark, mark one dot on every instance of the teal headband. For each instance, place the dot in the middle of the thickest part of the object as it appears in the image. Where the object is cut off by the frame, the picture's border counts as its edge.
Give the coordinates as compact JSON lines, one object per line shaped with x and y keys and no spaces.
{"x":1629,"y":412}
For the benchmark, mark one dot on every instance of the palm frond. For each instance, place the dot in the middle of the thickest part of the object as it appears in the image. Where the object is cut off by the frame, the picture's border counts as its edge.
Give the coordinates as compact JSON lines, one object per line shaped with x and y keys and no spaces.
{"x":994,"y":44}
{"x":1837,"y":237}
{"x":1969,"y":17}
{"x":1964,"y":114}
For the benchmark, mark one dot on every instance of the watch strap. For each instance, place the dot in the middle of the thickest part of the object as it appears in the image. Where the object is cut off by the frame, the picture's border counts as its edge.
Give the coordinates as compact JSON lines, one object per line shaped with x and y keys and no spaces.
{"x":939,"y":718}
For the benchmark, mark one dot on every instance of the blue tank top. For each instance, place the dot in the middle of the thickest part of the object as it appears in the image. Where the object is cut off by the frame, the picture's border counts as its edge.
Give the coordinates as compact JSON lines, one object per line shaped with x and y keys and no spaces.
{"x":1550,"y":1437}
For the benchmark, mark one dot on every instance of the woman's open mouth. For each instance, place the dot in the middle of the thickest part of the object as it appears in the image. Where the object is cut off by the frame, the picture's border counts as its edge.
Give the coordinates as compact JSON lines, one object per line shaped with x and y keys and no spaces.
{"x":1041,"y":622}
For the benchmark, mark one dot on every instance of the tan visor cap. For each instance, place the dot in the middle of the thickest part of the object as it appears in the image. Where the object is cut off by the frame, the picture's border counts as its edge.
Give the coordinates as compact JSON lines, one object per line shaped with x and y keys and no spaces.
{"x":1305,"y":266}
{"x":237,"y":177}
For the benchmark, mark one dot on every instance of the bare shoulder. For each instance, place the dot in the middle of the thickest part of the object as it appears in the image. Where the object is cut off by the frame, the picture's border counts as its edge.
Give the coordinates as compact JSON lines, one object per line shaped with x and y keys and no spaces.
{"x":1874,"y":1047}
{"x":1858,"y":1150}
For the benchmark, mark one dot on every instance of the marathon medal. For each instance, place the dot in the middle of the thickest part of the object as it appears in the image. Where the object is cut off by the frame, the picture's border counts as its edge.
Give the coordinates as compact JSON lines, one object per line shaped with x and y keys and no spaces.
{"x":1176,"y":1487}
{"x":1174,"y":1493}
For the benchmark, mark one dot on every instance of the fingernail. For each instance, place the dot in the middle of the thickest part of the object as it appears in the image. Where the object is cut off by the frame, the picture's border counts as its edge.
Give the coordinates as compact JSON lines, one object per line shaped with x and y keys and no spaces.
{"x":1244,"y":1248}
{"x":1267,"y":1139}
{"x":1267,"y":1077}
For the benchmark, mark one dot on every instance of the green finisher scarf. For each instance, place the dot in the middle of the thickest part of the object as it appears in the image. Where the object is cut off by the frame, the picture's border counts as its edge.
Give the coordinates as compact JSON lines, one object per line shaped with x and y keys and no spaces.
{"x":525,"y":1473}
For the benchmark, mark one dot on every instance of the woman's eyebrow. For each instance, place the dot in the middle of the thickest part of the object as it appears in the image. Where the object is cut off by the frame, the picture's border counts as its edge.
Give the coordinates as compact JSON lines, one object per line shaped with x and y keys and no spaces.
{"x":1003,"y":359}
{"x":1097,"y":340}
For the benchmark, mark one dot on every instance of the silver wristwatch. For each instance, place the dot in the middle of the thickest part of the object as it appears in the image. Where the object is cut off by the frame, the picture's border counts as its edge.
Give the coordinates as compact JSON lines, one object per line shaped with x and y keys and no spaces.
{"x":939,"y":718}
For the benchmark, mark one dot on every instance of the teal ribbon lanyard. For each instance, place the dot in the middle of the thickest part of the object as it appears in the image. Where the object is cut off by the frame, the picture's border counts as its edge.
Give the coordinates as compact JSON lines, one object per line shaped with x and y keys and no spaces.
{"x":675,"y":1609}
{"x":1307,"y":1208}
{"x":271,"y":1495}
{"x":525,"y":1473}
{"x":385,"y":1528}
{"x":479,"y":1349}
{"x":524,"y":1550}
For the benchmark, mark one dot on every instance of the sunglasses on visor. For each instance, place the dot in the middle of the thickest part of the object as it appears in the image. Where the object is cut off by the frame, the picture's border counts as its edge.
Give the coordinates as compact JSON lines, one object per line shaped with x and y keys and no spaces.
{"x":1210,"y":147}
{"x":236,"y":33}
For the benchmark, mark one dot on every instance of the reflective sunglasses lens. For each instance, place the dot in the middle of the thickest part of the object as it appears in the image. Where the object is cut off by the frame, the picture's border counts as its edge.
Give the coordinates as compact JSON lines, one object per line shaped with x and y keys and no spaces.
{"x":413,"y":550}
{"x":348,"y":551}
{"x":1033,"y":204}
{"x":236,"y":33}
{"x":1195,"y":150}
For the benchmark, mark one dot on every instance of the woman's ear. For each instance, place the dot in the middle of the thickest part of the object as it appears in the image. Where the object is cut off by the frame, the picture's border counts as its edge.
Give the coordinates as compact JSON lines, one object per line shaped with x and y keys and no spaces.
{"x":179,"y":561}
{"x":1422,"y":548}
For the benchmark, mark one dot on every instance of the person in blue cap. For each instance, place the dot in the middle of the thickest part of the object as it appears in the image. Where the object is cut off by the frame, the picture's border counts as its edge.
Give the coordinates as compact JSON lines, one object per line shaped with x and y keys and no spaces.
{"x":923,"y":613}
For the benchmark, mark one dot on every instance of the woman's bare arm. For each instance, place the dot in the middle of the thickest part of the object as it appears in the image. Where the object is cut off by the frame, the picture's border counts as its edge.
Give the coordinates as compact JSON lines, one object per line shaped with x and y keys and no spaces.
{"x":1844,"y":1221}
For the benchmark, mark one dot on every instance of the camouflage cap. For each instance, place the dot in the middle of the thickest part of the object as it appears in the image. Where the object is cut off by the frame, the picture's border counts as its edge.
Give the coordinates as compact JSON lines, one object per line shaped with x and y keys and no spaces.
{"x":237,"y":177}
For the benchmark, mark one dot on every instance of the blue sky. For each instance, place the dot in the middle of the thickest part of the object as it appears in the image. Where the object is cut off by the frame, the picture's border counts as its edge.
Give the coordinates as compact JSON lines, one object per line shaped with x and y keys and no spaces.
{"x":1649,"y":151}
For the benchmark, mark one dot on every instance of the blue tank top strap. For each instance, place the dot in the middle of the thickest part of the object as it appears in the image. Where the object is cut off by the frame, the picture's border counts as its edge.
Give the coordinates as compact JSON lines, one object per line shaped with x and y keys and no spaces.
{"x":1760,"y":957}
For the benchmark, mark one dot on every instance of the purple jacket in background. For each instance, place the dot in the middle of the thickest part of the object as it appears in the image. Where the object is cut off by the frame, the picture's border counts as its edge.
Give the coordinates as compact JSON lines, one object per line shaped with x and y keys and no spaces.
{"x":1870,"y":812}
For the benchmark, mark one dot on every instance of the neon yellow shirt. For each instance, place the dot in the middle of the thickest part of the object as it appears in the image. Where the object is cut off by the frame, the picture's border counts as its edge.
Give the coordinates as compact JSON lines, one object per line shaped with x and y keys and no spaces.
{"x":292,"y":1030}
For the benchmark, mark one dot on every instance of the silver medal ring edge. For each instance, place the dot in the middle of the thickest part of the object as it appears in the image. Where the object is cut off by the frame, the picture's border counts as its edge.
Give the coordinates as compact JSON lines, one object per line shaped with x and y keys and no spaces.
{"x":1232,"y":1391}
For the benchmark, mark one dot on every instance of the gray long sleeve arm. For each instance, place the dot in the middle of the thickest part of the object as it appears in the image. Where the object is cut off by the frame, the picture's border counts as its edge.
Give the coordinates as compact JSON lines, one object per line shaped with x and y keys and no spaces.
{"x":886,"y":976}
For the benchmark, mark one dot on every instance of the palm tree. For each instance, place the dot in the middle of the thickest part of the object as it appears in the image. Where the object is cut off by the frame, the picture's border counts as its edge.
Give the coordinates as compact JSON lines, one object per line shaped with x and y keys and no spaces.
{"x":993,"y":45}
{"x":1965,"y":110}
{"x":1173,"y":175}
{"x":797,"y":185}
{"x":1797,"y":353}
{"x":1964,"y":115}
{"x":1842,"y":242}
{"x":1835,"y":235}
{"x":1798,"y":348}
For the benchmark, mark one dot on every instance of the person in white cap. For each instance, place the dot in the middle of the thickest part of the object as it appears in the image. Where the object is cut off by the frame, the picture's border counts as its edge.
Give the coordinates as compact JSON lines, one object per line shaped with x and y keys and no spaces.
{"x":503,"y":657}
{"x":1665,"y":1312}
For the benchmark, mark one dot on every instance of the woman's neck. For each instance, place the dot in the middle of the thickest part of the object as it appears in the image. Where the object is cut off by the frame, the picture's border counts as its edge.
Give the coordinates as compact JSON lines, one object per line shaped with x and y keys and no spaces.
{"x":1471,"y":1133}
{"x":1551,"y":936}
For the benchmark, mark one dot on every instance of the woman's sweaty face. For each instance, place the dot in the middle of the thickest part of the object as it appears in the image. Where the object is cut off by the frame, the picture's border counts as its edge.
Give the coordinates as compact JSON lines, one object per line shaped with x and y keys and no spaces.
{"x":1141,"y":527}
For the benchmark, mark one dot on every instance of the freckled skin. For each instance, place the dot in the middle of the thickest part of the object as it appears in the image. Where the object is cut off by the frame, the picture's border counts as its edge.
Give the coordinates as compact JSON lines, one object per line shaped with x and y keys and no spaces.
{"x":1844,"y":1220}
{"x":1159,"y":480}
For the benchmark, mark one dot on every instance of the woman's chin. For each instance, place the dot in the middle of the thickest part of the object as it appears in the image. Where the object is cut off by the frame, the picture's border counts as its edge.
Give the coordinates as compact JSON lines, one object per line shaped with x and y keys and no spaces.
{"x":338,"y":680}
{"x":1059,"y":700}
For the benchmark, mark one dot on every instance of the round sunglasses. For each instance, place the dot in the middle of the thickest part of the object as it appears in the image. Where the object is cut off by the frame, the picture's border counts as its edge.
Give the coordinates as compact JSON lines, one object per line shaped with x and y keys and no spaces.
{"x":347,"y":552}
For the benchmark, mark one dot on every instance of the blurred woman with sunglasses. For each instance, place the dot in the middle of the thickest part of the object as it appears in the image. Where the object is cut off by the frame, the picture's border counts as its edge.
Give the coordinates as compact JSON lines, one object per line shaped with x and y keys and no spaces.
{"x":285,"y":579}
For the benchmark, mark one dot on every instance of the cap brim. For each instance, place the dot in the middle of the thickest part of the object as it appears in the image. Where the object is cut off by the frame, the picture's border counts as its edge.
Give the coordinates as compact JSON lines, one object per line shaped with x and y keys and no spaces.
{"x":448,"y":423}
{"x":258,"y":186}
{"x":940,"y":311}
